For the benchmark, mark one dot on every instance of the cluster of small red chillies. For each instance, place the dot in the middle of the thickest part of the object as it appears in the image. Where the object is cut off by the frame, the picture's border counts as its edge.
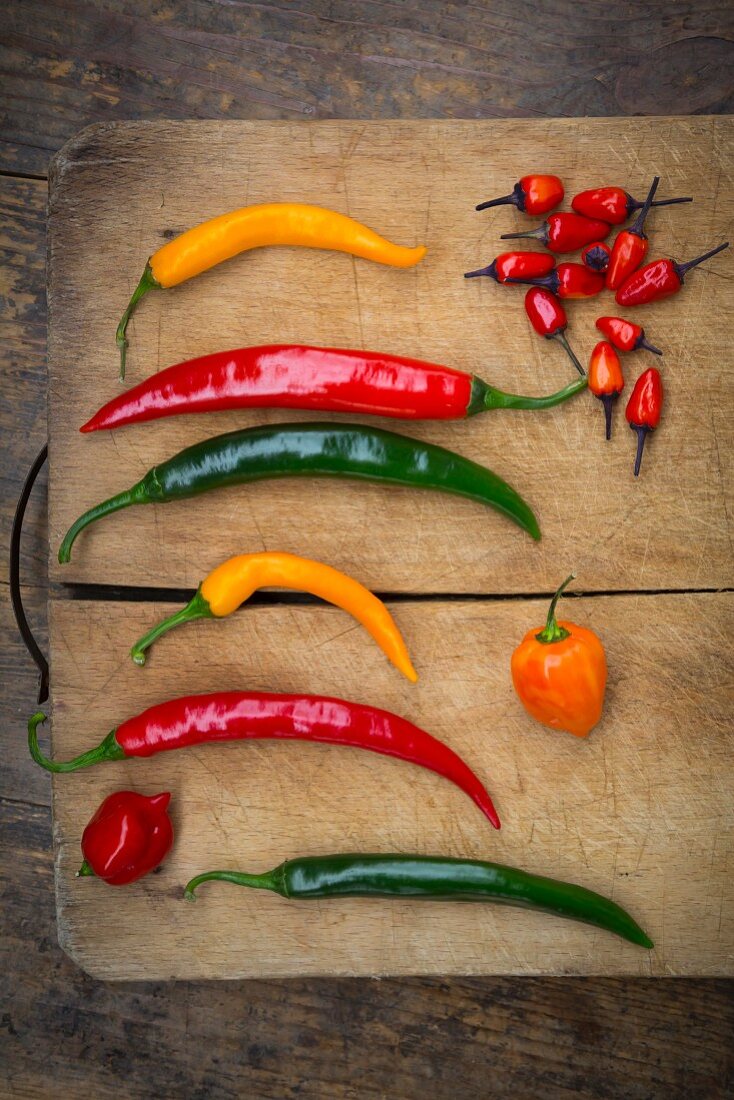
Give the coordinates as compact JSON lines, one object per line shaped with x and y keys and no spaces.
{"x":616,"y":267}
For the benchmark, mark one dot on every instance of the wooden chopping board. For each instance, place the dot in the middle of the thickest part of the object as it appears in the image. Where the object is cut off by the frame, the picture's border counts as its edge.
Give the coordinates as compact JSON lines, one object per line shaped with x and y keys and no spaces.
{"x":642,"y":810}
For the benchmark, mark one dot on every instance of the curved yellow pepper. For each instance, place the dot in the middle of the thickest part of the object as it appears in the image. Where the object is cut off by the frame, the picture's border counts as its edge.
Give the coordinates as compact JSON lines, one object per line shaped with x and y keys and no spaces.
{"x":276,"y":223}
{"x":235,"y":580}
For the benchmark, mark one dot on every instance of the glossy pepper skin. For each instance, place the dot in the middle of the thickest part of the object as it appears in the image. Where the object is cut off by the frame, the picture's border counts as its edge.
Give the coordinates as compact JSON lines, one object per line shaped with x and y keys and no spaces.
{"x":612,"y":204}
{"x":128,"y":836}
{"x":257,"y":715}
{"x":560,"y":674}
{"x":313,"y":450}
{"x":569,"y":280}
{"x":625,"y":335}
{"x":515,"y":265}
{"x":630,"y":245}
{"x":596,"y":256}
{"x":295,"y":376}
{"x":548,"y":318}
{"x":643,"y":409}
{"x":235,"y":580}
{"x":277,"y":223}
{"x":659,"y":279}
{"x":565,"y":232}
{"x":533,"y":194}
{"x":437,"y":878}
{"x":605,"y":379}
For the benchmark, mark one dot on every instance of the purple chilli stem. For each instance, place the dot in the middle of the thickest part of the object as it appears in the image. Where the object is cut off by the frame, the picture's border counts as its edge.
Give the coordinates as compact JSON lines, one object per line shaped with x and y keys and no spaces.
{"x":682,"y":269}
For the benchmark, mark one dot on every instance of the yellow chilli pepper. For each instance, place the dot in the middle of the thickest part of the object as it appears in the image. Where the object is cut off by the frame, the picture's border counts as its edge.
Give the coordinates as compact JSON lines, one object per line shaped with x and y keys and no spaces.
{"x":275,"y":223}
{"x":234,"y":581}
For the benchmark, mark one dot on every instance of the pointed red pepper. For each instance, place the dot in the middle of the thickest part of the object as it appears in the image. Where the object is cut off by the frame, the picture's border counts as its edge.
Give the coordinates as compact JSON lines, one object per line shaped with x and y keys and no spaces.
{"x":568,"y":281}
{"x":564,"y":232}
{"x":518,"y":265}
{"x":548,"y":318}
{"x":659,"y":279}
{"x":605,"y":379}
{"x":596,"y":256}
{"x":532,"y":194}
{"x":128,"y":836}
{"x":625,"y":335}
{"x":630,"y":246}
{"x":643,"y":409}
{"x":612,"y":204}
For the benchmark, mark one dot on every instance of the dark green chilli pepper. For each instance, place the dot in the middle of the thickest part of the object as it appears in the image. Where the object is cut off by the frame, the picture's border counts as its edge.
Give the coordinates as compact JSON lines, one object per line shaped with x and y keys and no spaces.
{"x":436,"y":878}
{"x":313,"y":450}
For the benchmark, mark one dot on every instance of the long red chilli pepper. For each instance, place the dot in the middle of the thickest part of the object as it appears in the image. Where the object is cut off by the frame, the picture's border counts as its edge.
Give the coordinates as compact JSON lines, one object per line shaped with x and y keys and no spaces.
{"x":659,"y":279}
{"x":612,"y":204}
{"x":255,"y":715}
{"x":298,"y":377}
{"x":533,"y":194}
{"x":548,"y":318}
{"x":515,"y":265}
{"x":605,"y":379}
{"x":643,"y":409}
{"x":625,"y":335}
{"x":630,"y":246}
{"x":568,"y":281}
{"x":564,"y":232}
{"x":596,"y":256}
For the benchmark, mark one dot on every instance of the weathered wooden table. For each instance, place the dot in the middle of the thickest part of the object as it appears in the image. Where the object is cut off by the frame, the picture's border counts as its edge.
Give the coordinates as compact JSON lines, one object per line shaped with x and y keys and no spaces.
{"x":66,"y":1034}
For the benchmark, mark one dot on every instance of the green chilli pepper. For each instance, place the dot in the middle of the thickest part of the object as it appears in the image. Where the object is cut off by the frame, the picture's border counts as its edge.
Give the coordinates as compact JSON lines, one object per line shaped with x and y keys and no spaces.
{"x":432,"y":877}
{"x":313,"y":450}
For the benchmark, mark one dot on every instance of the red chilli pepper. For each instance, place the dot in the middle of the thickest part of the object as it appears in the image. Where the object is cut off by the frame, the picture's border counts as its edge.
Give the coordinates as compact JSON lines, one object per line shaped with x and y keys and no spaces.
{"x":532,"y":194}
{"x":643,"y":409}
{"x":625,"y":335}
{"x":630,"y":246}
{"x":255,"y":715}
{"x":596,"y":256}
{"x":515,"y":265}
{"x":128,"y":836}
{"x":568,"y":281}
{"x":548,"y":318}
{"x":605,"y":379}
{"x":612,"y":204}
{"x":564,"y":232}
{"x":659,"y":279}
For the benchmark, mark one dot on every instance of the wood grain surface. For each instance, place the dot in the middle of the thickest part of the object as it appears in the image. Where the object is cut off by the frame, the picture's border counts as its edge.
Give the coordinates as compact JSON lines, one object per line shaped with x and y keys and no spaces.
{"x":609,"y":812}
{"x":118,"y":191}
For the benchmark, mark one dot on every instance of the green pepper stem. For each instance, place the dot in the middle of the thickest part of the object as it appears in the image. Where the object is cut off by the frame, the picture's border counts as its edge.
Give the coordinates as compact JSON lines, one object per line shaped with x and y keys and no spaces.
{"x":266,"y":881}
{"x":147,"y":282}
{"x":109,"y":749}
{"x":561,"y":338}
{"x":137,"y":495}
{"x":85,"y":871}
{"x":486,"y":397}
{"x":553,"y":632}
{"x":196,"y":608}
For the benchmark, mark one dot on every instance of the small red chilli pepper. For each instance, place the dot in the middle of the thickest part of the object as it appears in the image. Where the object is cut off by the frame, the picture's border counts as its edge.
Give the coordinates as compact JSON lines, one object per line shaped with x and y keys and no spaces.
{"x":568,"y":281}
{"x":128,"y":836}
{"x":630,"y":246}
{"x":659,"y":279}
{"x":515,"y":265}
{"x":564,"y":232}
{"x":612,"y":204}
{"x":625,"y":335}
{"x":605,"y":379}
{"x":548,"y":318}
{"x":596,"y":256}
{"x":643,"y":409}
{"x":532,"y":194}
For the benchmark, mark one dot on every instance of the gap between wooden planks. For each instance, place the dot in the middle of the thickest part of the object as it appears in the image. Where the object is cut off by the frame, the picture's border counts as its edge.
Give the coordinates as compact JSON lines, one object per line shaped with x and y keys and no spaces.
{"x":640,"y":811}
{"x":118,"y":191}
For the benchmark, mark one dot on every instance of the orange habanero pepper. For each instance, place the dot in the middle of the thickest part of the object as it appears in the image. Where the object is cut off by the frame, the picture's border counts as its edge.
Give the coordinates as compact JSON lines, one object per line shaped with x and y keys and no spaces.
{"x":560,"y":674}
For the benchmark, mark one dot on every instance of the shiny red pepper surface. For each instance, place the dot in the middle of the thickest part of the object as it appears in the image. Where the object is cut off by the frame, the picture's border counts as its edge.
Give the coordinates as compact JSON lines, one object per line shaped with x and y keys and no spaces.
{"x":612,"y":204}
{"x":625,"y":335}
{"x":659,"y":279}
{"x":605,"y":379}
{"x":515,"y":265}
{"x":565,"y":232}
{"x":127,"y":837}
{"x":533,"y":194}
{"x":643,"y":408}
{"x":630,"y":246}
{"x":548,"y":318}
